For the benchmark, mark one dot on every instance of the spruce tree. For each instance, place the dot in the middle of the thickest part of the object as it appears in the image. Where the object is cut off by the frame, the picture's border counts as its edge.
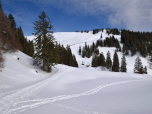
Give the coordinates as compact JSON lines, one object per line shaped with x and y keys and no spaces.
{"x":89,"y":53}
{"x":12,"y":20}
{"x":83,"y":52}
{"x":133,"y":50}
{"x":75,"y":62}
{"x":97,"y":51}
{"x":79,"y":50}
{"x":44,"y":42}
{"x":115,"y":66}
{"x":101,"y":36}
{"x":102,"y":58}
{"x":123,"y":67}
{"x":1,"y":5}
{"x":7,"y":34}
{"x":123,"y":49}
{"x":145,"y":70}
{"x":70,"y":57}
{"x":138,"y":67}
{"x":94,"y":60}
{"x":108,"y":61}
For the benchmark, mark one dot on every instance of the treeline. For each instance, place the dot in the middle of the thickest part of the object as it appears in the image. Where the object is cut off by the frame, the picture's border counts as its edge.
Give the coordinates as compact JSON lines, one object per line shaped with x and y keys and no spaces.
{"x":87,"y":50}
{"x":86,"y":31}
{"x":137,"y":42}
{"x":65,"y":56}
{"x":113,"y":31}
{"x":12,"y":38}
{"x":99,"y":60}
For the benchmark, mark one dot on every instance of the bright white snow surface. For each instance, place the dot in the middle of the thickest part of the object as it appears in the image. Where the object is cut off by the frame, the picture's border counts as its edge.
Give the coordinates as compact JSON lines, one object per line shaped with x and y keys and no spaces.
{"x":68,"y":90}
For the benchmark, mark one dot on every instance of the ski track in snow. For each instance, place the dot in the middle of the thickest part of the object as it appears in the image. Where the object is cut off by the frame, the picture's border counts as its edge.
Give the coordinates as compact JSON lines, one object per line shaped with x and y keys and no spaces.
{"x":8,"y":102}
{"x":29,"y":104}
{"x":76,"y":109}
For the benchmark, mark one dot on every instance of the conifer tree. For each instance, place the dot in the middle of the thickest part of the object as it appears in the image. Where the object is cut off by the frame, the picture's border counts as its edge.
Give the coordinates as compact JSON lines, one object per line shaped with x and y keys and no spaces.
{"x":44,"y":42}
{"x":102,"y":59}
{"x":145,"y":70}
{"x":7,"y":34}
{"x":133,"y":50}
{"x":70,"y":57}
{"x":89,"y":53}
{"x":115,"y":66}
{"x":93,"y":47}
{"x":97,"y":51}
{"x":101,"y":36}
{"x":94,"y":61}
{"x":80,"y":50}
{"x":123,"y":67}
{"x":108,"y":61}
{"x":123,"y":49}
{"x":12,"y":20}
{"x":75,"y":62}
{"x":1,"y":5}
{"x":138,"y":67}
{"x":126,"y":51}
{"x":83,"y":52}
{"x":104,"y":43}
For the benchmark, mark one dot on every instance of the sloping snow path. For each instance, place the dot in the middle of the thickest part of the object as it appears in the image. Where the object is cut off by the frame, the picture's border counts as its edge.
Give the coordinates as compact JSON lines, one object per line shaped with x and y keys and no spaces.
{"x":38,"y":102}
{"x":9,"y":102}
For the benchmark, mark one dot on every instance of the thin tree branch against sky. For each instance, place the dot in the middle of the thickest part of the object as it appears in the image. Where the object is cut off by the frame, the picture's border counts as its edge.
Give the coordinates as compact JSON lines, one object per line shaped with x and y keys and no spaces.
{"x":71,"y":15}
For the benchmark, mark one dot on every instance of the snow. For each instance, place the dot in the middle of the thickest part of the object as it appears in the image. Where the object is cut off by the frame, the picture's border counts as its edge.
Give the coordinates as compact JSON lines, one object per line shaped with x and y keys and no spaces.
{"x":68,"y":90}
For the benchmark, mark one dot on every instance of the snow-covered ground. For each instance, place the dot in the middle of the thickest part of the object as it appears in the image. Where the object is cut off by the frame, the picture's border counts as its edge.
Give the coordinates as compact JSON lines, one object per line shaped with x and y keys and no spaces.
{"x":25,"y":89}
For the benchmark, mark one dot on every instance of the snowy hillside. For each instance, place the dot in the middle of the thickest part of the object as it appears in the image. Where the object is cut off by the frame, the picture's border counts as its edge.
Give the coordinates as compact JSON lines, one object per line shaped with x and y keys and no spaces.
{"x":76,"y":39}
{"x":26,"y":89}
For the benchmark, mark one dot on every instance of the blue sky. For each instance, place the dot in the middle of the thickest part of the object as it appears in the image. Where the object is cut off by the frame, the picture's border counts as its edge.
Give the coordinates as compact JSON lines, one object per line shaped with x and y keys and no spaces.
{"x":72,"y":15}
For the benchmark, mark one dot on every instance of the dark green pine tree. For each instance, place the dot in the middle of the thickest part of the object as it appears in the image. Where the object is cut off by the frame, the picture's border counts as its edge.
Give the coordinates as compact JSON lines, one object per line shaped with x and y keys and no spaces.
{"x":79,"y":50}
{"x":1,"y":5}
{"x":100,"y":43}
{"x":20,"y":37}
{"x":12,"y":20}
{"x":65,"y":56}
{"x":101,"y":36}
{"x":93,"y":47}
{"x":123,"y":67}
{"x":88,"y":53}
{"x":70,"y":57}
{"x":94,"y":60}
{"x":145,"y":70}
{"x":126,"y":51}
{"x":30,"y":48}
{"x":143,"y":51}
{"x":57,"y":54}
{"x":102,"y":59}
{"x":75,"y":62}
{"x":123,"y":49}
{"x":138,"y":67}
{"x":108,"y":61}
{"x":83,"y":52}
{"x":97,"y":51}
{"x":104,"y":43}
{"x":44,"y":43}
{"x":115,"y":66}
{"x":133,"y":50}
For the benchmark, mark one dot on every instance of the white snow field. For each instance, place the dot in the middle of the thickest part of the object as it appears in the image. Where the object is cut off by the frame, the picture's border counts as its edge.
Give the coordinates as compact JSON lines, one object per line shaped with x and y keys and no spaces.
{"x":25,"y":89}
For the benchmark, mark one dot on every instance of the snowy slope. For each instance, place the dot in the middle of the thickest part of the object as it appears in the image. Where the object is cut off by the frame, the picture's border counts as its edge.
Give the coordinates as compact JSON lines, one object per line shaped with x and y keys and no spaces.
{"x":76,"y":39}
{"x":68,"y":90}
